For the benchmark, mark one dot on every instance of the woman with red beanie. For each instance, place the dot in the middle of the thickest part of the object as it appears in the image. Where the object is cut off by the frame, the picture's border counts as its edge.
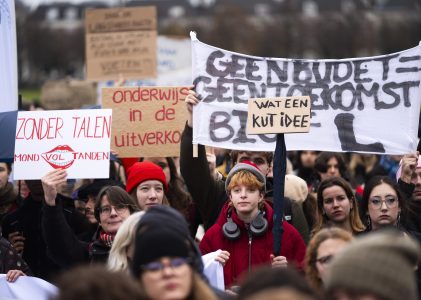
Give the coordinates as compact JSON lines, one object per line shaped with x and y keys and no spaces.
{"x":147,"y":184}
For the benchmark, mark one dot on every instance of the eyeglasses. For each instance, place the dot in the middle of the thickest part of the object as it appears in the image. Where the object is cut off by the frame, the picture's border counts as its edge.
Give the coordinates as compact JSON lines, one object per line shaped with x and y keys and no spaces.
{"x":157,"y":266}
{"x":377,"y":202}
{"x":325,"y":260}
{"x":106,"y":210}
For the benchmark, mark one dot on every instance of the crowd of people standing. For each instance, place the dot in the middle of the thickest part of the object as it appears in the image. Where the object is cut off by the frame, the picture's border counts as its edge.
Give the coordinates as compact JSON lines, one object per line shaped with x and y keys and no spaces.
{"x":351,"y":226}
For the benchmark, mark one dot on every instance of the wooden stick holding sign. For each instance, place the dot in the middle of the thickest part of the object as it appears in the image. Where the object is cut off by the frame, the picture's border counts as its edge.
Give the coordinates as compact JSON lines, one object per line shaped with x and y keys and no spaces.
{"x":279,"y":115}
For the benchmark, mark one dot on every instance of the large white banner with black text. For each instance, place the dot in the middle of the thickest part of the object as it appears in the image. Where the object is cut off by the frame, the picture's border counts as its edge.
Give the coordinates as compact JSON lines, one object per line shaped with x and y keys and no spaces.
{"x":369,"y":104}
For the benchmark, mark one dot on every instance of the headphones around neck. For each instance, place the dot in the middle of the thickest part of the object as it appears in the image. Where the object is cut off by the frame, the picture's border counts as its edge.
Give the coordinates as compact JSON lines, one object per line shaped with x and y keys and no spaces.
{"x":258,"y":226}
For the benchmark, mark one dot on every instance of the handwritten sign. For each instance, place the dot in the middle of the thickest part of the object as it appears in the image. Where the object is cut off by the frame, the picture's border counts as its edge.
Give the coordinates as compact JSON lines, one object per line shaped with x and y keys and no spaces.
{"x":174,"y":66}
{"x":368,"y":105}
{"x":121,"y":41}
{"x":8,"y":57}
{"x":148,"y":121}
{"x":278,"y":115}
{"x":76,"y":140}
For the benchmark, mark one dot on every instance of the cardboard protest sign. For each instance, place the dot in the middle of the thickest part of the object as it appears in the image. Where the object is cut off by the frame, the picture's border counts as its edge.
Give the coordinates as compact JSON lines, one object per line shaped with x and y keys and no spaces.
{"x":278,"y":115}
{"x":369,"y":104}
{"x":76,"y":140}
{"x":8,"y":57}
{"x":147,"y":121}
{"x":174,"y":66}
{"x":121,"y":41}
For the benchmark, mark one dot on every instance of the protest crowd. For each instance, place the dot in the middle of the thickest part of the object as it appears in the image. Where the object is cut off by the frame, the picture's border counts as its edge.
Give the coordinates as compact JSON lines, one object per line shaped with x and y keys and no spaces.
{"x":350,"y":228}
{"x":218,"y":222}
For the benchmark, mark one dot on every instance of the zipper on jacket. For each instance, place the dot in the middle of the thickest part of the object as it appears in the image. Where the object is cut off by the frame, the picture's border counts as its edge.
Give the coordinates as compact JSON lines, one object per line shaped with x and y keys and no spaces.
{"x":250,"y":239}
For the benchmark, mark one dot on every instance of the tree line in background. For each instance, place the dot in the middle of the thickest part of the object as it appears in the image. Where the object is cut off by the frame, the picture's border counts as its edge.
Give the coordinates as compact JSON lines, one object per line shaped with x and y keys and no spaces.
{"x":46,"y":53}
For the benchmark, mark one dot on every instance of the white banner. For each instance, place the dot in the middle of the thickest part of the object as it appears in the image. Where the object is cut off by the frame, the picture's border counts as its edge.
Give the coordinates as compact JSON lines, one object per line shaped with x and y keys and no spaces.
{"x":369,"y":104}
{"x":8,"y":57}
{"x":76,"y":140}
{"x":26,"y":287}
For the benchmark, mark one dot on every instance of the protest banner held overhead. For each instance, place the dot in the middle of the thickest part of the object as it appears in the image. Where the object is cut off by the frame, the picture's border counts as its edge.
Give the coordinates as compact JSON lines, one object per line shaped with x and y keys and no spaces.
{"x":278,"y":115}
{"x":147,"y":121}
{"x":8,"y":57}
{"x":121,"y":41}
{"x":75,"y":140}
{"x":368,"y":104}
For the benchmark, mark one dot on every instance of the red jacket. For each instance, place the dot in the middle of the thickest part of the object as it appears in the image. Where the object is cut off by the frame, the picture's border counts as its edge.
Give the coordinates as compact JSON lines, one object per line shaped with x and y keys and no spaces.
{"x":293,"y":247}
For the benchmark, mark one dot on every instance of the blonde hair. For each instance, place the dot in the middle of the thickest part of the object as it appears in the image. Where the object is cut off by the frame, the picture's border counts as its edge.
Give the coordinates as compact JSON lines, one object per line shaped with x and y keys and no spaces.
{"x":245,"y":178}
{"x":117,"y":260}
{"x":310,"y":259}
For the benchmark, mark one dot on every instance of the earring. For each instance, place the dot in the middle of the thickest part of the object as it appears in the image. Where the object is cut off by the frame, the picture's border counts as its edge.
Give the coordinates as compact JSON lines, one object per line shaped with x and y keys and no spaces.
{"x":398,"y":220}
{"x":368,"y":222}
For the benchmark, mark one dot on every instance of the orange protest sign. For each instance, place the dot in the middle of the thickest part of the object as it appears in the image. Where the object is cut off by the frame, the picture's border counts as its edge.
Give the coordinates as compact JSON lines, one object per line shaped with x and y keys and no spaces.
{"x":147,"y":121}
{"x":121,"y":41}
{"x":279,"y":115}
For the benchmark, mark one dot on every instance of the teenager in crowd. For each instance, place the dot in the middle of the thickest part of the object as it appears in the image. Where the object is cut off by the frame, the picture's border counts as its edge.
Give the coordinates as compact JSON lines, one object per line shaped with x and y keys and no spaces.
{"x":147,"y":183}
{"x":209,"y":194}
{"x":324,"y":245}
{"x":166,"y":261}
{"x":244,"y":228}
{"x":112,"y":206}
{"x":176,"y":194}
{"x":336,"y":206}
{"x":382,"y":203}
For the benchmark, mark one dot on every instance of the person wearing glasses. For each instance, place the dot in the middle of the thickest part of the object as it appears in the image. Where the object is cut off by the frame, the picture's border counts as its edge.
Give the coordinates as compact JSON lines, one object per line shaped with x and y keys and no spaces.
{"x":112,"y":206}
{"x":324,"y":245}
{"x":164,"y":265}
{"x":382,"y":203}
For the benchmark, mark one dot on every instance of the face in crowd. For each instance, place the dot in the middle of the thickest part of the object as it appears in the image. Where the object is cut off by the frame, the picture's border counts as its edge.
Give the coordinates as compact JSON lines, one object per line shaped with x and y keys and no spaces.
{"x":149,"y":193}
{"x":112,"y":216}
{"x":308,"y":158}
{"x":4,"y":175}
{"x":416,"y":179}
{"x":258,"y":158}
{"x":246,"y":194}
{"x":326,"y":252}
{"x":332,"y":169}
{"x":163,"y":163}
{"x":112,"y":207}
{"x":167,"y":278}
{"x":382,"y":202}
{"x":336,"y":204}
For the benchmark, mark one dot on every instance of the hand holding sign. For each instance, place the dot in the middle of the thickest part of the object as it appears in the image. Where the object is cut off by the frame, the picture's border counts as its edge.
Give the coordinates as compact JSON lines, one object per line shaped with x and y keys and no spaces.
{"x":191,"y":100}
{"x":50,"y":182}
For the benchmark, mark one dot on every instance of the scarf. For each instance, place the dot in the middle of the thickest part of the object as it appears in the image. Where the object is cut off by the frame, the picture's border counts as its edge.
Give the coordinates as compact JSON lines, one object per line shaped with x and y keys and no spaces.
{"x":106,"y":238}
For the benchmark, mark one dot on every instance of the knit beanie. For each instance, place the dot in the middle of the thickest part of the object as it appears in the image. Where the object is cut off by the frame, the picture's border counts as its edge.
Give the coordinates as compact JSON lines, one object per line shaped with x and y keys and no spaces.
{"x":399,"y":172}
{"x":295,"y":188}
{"x":246,"y":166}
{"x":153,"y":243}
{"x":380,"y":264}
{"x":143,"y":171}
{"x":176,"y":223}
